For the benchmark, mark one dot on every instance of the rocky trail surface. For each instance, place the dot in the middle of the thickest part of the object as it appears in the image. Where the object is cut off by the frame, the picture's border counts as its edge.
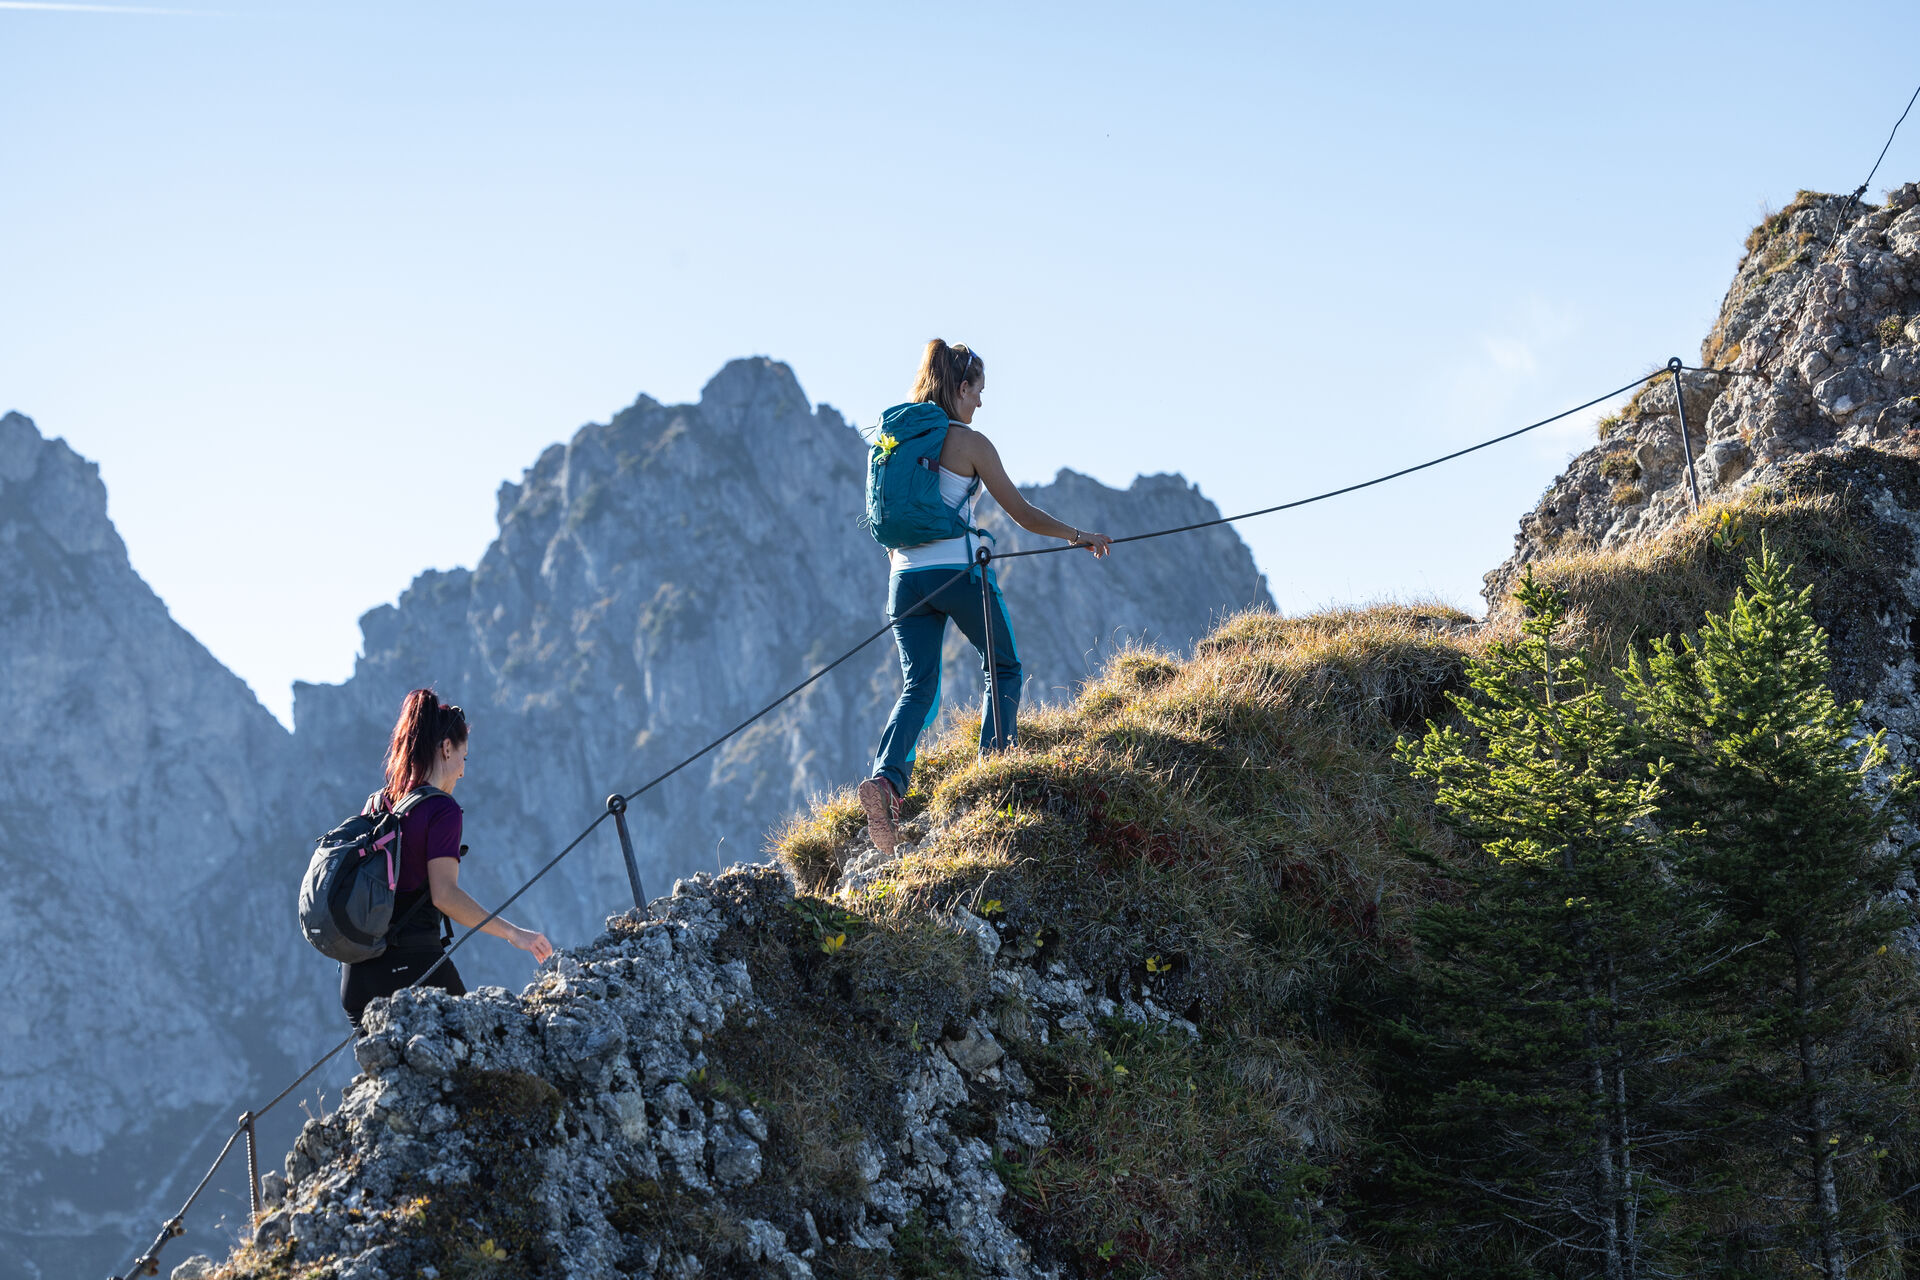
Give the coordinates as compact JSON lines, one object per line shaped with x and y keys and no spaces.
{"x":593,"y":1125}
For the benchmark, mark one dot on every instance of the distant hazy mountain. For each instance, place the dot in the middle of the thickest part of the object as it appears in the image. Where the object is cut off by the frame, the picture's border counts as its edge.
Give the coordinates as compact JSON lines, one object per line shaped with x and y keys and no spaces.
{"x":143,"y":792}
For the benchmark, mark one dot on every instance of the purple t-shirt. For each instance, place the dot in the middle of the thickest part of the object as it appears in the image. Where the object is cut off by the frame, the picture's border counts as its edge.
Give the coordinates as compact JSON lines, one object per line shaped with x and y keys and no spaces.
{"x":431,"y":829}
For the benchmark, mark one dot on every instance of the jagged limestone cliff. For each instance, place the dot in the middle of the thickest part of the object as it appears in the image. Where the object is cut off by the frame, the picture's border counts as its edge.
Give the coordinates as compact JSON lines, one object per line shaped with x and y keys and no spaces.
{"x":661,"y":576}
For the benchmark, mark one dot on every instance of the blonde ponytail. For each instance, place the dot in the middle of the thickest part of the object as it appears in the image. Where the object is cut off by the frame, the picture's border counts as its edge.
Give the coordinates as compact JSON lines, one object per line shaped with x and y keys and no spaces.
{"x":943,"y":371}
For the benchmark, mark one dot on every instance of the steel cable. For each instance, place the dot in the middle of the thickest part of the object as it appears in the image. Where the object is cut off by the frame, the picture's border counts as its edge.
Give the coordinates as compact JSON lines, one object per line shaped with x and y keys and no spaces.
{"x":173,"y":1226}
{"x":1861,"y":190}
{"x":1352,"y":488}
{"x":149,"y":1258}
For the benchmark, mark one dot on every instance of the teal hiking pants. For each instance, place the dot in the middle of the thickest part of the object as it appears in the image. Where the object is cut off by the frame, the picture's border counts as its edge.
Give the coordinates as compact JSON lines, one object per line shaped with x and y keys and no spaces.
{"x":919,"y":631}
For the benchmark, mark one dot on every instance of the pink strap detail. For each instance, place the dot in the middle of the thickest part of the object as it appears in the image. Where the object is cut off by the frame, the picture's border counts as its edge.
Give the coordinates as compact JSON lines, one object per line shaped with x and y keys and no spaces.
{"x":393,"y":878}
{"x":383,"y":841}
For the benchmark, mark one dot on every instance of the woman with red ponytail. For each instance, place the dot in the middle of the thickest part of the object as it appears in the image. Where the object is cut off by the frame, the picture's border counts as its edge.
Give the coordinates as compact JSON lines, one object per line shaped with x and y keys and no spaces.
{"x":428,"y":754}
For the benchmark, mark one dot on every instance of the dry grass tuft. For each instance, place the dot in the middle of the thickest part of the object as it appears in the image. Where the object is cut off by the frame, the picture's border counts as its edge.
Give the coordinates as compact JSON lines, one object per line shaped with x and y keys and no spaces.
{"x":810,"y":844}
{"x":1627,"y":596}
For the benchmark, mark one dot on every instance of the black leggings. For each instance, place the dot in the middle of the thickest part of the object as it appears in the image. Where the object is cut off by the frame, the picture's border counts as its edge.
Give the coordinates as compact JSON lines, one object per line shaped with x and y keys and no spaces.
{"x":391,"y":972}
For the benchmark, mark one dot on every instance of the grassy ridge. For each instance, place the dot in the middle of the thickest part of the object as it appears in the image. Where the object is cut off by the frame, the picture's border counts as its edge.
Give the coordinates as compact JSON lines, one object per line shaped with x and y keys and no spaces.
{"x":1229,"y":837}
{"x":1220,"y":836}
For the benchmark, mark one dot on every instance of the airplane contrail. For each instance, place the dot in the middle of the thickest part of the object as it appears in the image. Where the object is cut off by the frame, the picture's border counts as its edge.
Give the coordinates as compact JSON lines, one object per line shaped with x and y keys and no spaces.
{"x":55,"y":6}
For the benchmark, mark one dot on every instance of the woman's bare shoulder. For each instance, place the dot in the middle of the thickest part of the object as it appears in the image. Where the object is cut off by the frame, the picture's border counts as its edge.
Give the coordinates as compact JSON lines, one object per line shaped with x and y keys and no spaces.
{"x":976,"y":440}
{"x":963,"y":446}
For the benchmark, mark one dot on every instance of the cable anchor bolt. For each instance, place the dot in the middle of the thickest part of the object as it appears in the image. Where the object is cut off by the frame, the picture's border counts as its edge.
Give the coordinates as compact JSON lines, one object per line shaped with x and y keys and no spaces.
{"x":1674,"y":366}
{"x":617,"y":806}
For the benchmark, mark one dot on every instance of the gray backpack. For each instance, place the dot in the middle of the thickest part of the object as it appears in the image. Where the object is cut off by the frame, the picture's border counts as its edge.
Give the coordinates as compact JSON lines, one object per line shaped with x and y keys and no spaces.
{"x":346,"y":897}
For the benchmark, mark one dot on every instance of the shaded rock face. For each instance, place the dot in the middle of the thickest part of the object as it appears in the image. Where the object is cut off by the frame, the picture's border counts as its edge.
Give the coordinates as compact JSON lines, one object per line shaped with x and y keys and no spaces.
{"x":657,"y":579}
{"x":140,"y":840}
{"x":1814,"y":351}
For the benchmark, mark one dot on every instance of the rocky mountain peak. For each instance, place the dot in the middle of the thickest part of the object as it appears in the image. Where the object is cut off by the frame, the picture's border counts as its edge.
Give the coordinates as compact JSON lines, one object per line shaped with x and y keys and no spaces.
{"x":1816,"y":349}
{"x":662,"y":574}
{"x":45,"y":484}
{"x":753,"y":390}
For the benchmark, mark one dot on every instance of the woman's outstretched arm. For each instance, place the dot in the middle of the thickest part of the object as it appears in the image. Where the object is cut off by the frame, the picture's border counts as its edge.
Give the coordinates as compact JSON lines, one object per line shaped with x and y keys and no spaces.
{"x":979,"y":451}
{"x":443,"y":877}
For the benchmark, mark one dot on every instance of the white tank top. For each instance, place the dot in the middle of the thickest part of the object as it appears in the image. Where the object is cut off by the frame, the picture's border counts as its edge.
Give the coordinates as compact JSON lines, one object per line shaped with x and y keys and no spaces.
{"x":958,"y":492}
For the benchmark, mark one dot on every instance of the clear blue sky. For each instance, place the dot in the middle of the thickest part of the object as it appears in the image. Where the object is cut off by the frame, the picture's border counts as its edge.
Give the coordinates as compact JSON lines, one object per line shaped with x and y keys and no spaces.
{"x":256,"y":259}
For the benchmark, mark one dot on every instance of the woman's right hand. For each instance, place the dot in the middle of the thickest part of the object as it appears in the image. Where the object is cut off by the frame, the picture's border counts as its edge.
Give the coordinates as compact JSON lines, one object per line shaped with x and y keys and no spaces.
{"x":536,"y":943}
{"x":1098,"y":543}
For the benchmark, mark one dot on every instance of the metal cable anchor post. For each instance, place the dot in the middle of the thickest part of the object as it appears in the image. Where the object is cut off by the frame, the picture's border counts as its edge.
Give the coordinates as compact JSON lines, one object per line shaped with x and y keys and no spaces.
{"x":617,"y":806}
{"x":984,"y":558}
{"x":1680,"y":404}
{"x":253,"y":1168}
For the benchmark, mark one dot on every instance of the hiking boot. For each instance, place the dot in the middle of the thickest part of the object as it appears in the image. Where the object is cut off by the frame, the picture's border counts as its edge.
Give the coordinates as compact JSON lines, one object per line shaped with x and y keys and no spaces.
{"x":882,"y":804}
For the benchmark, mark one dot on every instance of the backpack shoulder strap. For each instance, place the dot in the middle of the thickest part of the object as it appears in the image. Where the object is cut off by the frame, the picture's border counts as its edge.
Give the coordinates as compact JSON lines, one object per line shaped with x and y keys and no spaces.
{"x":407,"y":803}
{"x":974,"y":485}
{"x":413,"y":798}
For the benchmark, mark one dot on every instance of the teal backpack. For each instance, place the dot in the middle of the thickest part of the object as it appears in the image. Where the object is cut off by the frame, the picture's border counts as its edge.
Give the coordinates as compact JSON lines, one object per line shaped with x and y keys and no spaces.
{"x":903,"y":479}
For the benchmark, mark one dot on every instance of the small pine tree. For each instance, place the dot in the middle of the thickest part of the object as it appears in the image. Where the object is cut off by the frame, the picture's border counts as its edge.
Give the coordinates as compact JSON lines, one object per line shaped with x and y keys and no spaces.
{"x":1536,"y":1015}
{"x":1782,"y":839}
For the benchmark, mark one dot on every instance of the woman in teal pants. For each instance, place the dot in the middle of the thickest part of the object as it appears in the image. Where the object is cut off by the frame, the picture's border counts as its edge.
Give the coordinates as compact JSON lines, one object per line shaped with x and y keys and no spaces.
{"x":923,"y":593}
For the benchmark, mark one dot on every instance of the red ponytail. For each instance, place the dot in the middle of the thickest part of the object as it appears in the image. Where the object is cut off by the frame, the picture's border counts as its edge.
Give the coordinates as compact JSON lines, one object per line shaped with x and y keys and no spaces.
{"x":425,"y":722}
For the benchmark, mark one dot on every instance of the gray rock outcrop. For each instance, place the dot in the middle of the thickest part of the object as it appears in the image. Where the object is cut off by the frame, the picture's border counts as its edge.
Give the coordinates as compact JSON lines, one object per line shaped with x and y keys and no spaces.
{"x":1816,"y":350}
{"x":591,"y":1126}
